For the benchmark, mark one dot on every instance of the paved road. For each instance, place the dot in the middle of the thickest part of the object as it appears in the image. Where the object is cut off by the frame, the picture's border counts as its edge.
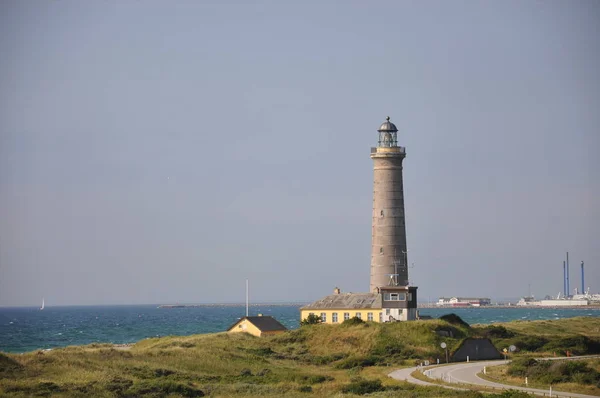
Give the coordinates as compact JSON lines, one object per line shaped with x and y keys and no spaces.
{"x":467,"y":373}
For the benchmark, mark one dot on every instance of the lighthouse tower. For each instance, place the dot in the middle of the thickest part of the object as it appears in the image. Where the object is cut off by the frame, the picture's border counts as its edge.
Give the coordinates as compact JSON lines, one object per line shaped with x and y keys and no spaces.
{"x":389,"y":257}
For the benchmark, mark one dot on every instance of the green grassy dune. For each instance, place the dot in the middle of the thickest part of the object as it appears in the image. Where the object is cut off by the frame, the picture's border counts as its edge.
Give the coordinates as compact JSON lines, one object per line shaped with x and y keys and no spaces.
{"x":317,"y":360}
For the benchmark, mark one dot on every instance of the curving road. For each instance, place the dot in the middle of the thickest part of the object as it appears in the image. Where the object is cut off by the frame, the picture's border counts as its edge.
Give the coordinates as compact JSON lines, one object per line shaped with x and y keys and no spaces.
{"x":466,"y":373}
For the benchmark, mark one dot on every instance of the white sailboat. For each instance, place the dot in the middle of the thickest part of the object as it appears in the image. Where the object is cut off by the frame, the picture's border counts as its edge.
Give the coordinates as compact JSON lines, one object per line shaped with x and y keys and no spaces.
{"x":43,"y":305}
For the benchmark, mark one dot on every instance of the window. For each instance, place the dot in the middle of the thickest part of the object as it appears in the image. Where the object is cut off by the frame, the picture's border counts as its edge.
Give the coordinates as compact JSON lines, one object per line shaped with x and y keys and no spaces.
{"x":381,"y":317}
{"x":370,"y":316}
{"x":381,"y":250}
{"x":358,"y":315}
{"x":387,"y":311}
{"x":346,"y":316}
{"x":334,"y":318}
{"x":323,"y":317}
{"x":394,"y":297}
{"x":409,"y":296}
{"x":381,"y":214}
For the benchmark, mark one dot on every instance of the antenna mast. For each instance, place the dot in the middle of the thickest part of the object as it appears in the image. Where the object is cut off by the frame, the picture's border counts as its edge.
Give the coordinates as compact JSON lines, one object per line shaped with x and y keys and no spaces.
{"x":246,"y":297}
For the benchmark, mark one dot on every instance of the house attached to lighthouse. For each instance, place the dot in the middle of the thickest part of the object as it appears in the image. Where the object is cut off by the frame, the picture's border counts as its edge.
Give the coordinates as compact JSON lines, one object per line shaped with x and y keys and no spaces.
{"x":390,"y":297}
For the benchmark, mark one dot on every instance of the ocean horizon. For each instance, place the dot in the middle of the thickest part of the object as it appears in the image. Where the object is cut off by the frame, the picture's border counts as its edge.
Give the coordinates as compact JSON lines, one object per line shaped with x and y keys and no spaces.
{"x":25,"y":329}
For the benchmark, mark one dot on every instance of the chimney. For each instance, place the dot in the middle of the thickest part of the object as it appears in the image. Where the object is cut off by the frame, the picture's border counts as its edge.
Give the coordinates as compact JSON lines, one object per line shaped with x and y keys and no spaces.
{"x":337,"y":290}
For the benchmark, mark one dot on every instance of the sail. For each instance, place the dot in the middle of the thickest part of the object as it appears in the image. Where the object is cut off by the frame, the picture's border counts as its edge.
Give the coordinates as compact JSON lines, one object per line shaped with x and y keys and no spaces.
{"x":42,"y":307}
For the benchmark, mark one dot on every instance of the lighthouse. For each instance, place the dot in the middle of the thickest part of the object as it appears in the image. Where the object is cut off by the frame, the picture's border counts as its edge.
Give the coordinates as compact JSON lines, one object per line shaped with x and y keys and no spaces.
{"x":389,"y":257}
{"x":390,"y":298}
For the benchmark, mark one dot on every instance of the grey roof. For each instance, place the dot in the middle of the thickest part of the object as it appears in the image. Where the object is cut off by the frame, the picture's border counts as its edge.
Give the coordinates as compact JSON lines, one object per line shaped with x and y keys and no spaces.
{"x":346,"y":301}
{"x":263,"y":323}
{"x":387,"y":126}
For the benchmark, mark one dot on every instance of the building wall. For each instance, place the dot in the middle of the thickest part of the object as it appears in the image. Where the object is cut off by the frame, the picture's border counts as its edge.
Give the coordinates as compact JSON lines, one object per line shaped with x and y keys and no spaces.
{"x":245,"y":326}
{"x":340,"y":314}
{"x":388,"y":222}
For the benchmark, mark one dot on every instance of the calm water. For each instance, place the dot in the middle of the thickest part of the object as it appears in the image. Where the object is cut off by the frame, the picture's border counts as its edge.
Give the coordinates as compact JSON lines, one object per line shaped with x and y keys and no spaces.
{"x":26,"y":329}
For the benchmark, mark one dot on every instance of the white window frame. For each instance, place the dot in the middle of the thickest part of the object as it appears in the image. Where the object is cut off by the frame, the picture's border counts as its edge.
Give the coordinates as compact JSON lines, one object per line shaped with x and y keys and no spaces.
{"x":370,"y":316}
{"x":358,"y":315}
{"x":324,"y":317}
{"x":346,"y":316}
{"x":334,"y":317}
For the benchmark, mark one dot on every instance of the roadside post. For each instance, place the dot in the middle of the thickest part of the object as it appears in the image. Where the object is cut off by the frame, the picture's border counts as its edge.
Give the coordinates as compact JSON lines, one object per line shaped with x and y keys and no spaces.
{"x":505,"y":351}
{"x":445,"y":346}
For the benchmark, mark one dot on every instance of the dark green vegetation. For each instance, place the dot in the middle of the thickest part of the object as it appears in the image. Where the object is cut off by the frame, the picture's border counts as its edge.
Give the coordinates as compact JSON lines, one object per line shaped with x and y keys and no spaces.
{"x":319,"y":360}
{"x":554,"y":372}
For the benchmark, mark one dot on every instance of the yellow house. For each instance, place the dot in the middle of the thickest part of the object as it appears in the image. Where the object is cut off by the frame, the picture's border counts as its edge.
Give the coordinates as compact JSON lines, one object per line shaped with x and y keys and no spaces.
{"x":257,"y":326}
{"x":389,"y":304}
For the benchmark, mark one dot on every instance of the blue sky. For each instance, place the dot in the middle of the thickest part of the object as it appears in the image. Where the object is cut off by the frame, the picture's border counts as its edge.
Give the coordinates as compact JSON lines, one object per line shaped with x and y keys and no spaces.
{"x":158,"y":152}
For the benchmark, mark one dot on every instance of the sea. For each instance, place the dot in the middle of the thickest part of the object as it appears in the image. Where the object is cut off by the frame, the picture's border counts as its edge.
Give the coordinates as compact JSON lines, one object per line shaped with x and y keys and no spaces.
{"x":25,"y":329}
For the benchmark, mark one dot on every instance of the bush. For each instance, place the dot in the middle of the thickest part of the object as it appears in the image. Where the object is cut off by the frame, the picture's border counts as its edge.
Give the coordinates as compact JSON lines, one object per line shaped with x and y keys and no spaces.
{"x":577,"y":345}
{"x":511,"y":394}
{"x":362,"y":387}
{"x":497,"y":331}
{"x":162,"y":388}
{"x":305,"y":389}
{"x":520,"y":366}
{"x":530,"y":343}
{"x":311,"y":319}
{"x":357,"y":361}
{"x":551,"y":372}
{"x":353,"y":321}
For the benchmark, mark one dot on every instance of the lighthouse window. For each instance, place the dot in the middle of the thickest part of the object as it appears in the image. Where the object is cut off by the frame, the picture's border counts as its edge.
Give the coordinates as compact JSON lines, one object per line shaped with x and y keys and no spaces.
{"x":394,"y":296}
{"x":381,"y":214}
{"x":381,"y":250}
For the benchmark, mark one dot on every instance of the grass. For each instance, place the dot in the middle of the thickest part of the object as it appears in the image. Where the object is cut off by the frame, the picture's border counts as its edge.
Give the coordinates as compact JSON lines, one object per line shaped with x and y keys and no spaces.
{"x":318,"y":360}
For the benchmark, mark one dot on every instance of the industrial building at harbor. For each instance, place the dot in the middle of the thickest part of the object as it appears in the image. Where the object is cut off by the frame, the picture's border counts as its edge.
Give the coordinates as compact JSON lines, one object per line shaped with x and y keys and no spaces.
{"x":390,"y":297}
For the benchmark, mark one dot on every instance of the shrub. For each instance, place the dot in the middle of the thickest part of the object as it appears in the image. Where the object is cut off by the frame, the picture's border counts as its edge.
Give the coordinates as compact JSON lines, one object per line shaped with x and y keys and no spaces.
{"x":118,"y":385}
{"x":520,"y":366}
{"x":362,"y":387}
{"x":353,"y":321}
{"x":530,"y":343}
{"x":305,"y":389}
{"x":9,"y":367}
{"x":162,"y":388}
{"x":511,"y":394}
{"x":498,"y":331}
{"x":245,"y":372}
{"x":578,"y":345}
{"x":356,"y":361}
{"x":311,"y":319}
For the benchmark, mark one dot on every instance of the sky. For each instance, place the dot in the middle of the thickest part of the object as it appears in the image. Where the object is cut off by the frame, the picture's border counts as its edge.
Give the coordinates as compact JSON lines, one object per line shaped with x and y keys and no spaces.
{"x":166,"y":151}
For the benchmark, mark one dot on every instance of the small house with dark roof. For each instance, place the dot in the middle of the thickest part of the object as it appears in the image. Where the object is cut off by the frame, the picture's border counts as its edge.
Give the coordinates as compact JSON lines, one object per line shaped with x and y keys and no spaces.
{"x":257,"y":326}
